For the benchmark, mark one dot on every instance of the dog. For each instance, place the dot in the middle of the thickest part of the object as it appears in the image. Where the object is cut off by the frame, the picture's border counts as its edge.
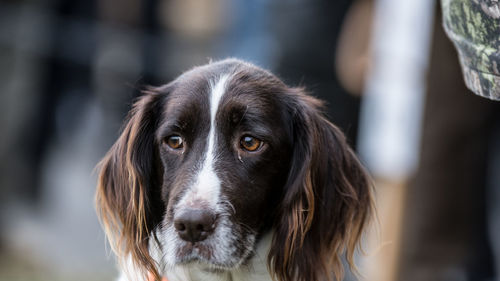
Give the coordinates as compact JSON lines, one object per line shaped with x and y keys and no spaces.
{"x":227,"y":173}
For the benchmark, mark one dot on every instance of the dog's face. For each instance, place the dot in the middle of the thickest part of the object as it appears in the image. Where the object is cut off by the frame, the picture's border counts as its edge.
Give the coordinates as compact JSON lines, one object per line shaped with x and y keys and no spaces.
{"x":224,"y":147}
{"x":226,"y":153}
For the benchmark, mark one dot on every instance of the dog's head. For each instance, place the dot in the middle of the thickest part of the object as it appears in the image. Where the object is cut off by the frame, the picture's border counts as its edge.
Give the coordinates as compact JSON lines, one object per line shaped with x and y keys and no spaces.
{"x":226,"y":153}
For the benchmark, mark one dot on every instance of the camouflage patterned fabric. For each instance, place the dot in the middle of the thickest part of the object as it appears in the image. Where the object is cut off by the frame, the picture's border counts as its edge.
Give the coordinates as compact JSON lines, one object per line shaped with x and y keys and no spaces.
{"x":474,"y":28}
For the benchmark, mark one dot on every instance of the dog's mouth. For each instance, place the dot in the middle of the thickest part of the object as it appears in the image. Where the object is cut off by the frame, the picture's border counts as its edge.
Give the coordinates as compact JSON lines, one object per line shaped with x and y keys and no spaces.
{"x":193,"y":252}
{"x":201,"y":253}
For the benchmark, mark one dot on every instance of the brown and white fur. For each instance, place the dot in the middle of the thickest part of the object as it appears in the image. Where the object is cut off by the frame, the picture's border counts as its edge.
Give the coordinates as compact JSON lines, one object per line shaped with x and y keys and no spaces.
{"x":184,"y":193}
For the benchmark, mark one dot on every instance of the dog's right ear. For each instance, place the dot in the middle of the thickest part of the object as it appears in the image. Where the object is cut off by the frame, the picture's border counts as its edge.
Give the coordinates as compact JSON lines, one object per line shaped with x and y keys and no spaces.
{"x":127,"y":181}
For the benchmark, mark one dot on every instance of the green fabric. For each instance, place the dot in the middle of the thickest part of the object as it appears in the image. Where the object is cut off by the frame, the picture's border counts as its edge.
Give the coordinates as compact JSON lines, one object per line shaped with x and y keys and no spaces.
{"x":474,"y":28}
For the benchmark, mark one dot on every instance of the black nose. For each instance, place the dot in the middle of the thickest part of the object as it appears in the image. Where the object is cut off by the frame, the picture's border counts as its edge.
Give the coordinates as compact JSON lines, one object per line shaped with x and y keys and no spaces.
{"x":195,"y":225}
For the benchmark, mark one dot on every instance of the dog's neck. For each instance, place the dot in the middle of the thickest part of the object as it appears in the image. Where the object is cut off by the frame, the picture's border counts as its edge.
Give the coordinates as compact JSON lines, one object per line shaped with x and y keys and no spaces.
{"x":256,"y":269}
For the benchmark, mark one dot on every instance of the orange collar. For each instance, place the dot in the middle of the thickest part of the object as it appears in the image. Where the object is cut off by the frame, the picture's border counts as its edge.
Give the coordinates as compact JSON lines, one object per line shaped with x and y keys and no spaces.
{"x":151,"y":278}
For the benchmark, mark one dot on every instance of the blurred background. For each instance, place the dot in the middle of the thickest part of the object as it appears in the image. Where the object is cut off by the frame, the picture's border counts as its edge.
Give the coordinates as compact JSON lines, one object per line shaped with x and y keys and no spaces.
{"x":69,"y":71}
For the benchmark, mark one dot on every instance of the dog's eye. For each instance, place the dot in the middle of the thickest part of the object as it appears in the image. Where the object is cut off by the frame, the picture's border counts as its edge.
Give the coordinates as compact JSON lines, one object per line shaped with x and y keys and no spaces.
{"x":175,"y":142}
{"x":250,"y":143}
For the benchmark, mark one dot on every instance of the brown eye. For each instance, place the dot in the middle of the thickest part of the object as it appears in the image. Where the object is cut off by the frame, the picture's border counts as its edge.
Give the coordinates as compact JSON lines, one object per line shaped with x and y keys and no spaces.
{"x":175,"y":142}
{"x":250,"y":143}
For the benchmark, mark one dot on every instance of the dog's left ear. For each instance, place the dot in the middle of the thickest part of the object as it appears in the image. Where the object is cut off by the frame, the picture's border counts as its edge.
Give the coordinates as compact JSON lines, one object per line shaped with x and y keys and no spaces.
{"x":327,"y":199}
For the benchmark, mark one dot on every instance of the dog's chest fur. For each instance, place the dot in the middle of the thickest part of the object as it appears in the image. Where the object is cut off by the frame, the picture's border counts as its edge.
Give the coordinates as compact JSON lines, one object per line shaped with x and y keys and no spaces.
{"x":256,"y":269}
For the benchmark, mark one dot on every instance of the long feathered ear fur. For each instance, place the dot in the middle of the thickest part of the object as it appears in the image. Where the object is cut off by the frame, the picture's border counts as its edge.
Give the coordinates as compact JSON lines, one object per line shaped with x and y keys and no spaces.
{"x":327,"y":200}
{"x":126,"y":192}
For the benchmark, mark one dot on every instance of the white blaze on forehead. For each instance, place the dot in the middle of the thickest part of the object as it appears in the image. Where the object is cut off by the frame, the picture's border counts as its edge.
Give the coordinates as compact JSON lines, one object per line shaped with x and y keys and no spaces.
{"x":218,"y":91}
{"x":206,"y":186}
